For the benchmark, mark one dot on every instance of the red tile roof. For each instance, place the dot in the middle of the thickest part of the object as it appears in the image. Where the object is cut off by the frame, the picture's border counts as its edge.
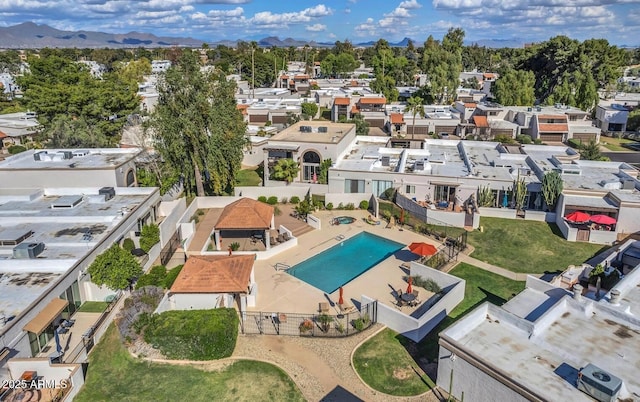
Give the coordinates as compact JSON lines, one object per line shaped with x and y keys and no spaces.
{"x":3,"y":135}
{"x":354,"y":83}
{"x":489,"y":75}
{"x":553,"y":116}
{"x":373,"y":101}
{"x":242,"y":108}
{"x":355,"y":109}
{"x":302,"y":77}
{"x":245,"y":214}
{"x":397,"y":118}
{"x":342,"y":101}
{"x":470,"y":105}
{"x":481,"y":121}
{"x":554,"y":127}
{"x":284,"y":77}
{"x":215,"y":274}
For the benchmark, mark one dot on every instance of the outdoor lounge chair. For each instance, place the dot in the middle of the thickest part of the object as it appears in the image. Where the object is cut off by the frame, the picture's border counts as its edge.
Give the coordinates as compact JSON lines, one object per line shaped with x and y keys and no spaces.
{"x":286,"y":237}
{"x":323,"y":307}
{"x":347,"y":308}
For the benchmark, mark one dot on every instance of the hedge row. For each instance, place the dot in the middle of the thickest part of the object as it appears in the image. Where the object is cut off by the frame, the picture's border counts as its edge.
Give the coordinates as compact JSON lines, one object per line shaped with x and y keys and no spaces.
{"x":194,"y":334}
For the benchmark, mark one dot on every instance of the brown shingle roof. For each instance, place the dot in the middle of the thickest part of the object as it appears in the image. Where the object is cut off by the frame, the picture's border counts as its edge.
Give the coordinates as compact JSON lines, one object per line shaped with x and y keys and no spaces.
{"x":397,"y":118}
{"x":481,"y":121}
{"x":553,"y":116}
{"x":215,"y":274}
{"x":342,"y":101}
{"x":373,"y":101}
{"x":559,"y":127}
{"x":245,"y":214}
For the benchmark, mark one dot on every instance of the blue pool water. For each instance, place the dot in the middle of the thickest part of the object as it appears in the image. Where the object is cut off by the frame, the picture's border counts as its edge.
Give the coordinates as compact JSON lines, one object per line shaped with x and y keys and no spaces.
{"x":345,"y":261}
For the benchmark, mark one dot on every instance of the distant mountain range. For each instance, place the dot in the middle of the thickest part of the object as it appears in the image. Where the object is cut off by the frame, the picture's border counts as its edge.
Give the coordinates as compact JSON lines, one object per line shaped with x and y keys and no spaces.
{"x":31,"y":35}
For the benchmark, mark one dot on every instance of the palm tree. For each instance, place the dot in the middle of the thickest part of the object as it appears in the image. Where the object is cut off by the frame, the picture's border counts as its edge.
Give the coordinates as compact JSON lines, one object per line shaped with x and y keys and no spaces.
{"x":415,"y":107}
{"x":286,"y":169}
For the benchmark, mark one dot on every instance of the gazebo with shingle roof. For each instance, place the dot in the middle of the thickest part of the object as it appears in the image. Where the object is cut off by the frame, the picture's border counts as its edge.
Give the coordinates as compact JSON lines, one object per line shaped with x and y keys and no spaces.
{"x":246,"y":214}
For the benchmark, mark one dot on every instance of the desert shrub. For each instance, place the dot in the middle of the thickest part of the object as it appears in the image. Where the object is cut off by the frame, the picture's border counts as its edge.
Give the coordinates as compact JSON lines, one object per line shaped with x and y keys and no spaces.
{"x":426,"y":283}
{"x":294,"y":200}
{"x":262,"y":198}
{"x":350,"y":206}
{"x":273,"y":200}
{"x":284,"y":200}
{"x":128,"y":244}
{"x":171,"y":276}
{"x":144,"y":300}
{"x":364,"y":204}
{"x":16,"y":149}
{"x":149,"y":236}
{"x":155,"y":277}
{"x":200,"y":212}
{"x":194,"y":334}
{"x":504,"y":139}
{"x":329,"y":206}
{"x":340,"y":206}
{"x":306,"y":326}
{"x":235,"y":246}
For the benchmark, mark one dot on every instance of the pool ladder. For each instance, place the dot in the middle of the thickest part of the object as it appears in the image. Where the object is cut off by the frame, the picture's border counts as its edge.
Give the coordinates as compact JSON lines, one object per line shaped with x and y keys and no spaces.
{"x":281,"y":267}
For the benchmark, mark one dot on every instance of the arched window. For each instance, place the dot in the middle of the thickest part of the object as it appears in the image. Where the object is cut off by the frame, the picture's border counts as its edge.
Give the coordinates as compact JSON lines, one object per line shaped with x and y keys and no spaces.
{"x":310,"y":166}
{"x":131,"y":178}
{"x":311,"y":157}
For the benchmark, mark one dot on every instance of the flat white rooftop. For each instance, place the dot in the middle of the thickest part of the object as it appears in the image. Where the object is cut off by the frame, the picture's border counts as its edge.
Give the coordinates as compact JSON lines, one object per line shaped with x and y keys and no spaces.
{"x":93,"y":158}
{"x":542,"y":340}
{"x":68,"y":233}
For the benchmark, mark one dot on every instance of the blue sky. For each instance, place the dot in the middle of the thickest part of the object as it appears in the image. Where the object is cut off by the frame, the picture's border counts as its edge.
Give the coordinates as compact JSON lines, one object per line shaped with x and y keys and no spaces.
{"x":331,"y":20}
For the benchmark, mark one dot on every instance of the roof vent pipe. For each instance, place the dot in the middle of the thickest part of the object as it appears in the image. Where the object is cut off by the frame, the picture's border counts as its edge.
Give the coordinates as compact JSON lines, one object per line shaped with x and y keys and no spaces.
{"x":614,"y":296}
{"x":577,"y":292}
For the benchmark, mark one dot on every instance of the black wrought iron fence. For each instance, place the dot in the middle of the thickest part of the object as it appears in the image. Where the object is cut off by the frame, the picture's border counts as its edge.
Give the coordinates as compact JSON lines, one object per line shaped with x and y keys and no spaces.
{"x":334,"y":324}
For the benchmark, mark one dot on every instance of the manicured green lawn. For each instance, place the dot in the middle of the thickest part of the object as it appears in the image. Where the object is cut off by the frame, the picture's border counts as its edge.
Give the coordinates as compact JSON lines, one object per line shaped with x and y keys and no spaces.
{"x":93,"y":307}
{"x":480,"y":286}
{"x":527,"y":246}
{"x":615,"y":144}
{"x":115,"y":376}
{"x":247,"y":177}
{"x":384,"y":364}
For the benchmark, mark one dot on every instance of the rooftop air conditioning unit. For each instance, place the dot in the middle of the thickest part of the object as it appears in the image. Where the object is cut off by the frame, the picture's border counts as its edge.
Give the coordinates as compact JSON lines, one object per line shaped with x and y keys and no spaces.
{"x":65,"y":154}
{"x":108,"y":192}
{"x":323,"y":129}
{"x":628,"y":184}
{"x":305,"y":129}
{"x":39,"y":156}
{"x":599,"y":384}
{"x":385,"y":161}
{"x":419,"y":165}
{"x":28,"y":250}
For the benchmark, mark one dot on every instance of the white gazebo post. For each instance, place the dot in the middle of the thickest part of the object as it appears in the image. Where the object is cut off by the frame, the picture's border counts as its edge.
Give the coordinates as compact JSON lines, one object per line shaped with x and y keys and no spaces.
{"x":267,"y":239}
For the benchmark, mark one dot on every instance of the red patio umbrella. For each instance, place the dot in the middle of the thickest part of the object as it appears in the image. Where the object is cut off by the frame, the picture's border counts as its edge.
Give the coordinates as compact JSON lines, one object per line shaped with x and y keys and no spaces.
{"x":409,"y":288}
{"x":603,"y":220}
{"x":422,"y":249}
{"x":577,"y":216}
{"x":340,"y":299}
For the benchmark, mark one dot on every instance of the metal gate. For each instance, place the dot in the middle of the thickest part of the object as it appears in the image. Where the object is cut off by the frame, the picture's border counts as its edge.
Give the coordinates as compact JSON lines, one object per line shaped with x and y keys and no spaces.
{"x":167,"y":251}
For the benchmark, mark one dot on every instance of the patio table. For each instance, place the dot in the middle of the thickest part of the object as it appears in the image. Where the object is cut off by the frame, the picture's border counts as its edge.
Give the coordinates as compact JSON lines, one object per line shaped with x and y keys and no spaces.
{"x":408,"y":297}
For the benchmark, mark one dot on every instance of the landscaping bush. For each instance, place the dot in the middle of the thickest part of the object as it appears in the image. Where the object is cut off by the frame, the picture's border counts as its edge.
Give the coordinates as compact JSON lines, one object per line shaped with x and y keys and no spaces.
{"x":504,"y":139}
{"x":149,"y":236}
{"x":329,"y":206}
{"x":350,"y":206}
{"x":194,"y":334}
{"x":364,"y":204}
{"x":155,"y":277}
{"x":273,"y":200}
{"x":128,"y":244}
{"x":141,"y":301}
{"x":294,"y":200}
{"x":262,"y":198}
{"x":537,"y":141}
{"x":340,"y":206}
{"x":171,"y":276}
{"x":524,"y":139}
{"x":574,"y":143}
{"x":235,"y":246}
{"x":16,"y":149}
{"x":426,"y":283}
{"x":284,"y":200}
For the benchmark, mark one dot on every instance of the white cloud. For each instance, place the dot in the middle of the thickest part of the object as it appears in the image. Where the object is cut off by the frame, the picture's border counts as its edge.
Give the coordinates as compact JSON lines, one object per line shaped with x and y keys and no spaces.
{"x":316,"y":28}
{"x":347,"y":11}
{"x":410,"y":4}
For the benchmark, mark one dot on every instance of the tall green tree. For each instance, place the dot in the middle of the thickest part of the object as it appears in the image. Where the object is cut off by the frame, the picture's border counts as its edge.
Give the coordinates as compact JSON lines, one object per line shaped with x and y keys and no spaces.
{"x":197,"y":127}
{"x":116,"y":268}
{"x":442,"y":62}
{"x":415,"y":107}
{"x":515,"y":88}
{"x":591,"y":152}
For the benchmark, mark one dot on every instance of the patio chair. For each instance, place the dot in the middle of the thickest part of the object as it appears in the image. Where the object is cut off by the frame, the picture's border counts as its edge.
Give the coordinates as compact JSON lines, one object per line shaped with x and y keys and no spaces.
{"x":323,"y":307}
{"x":347,"y":308}
{"x":416,"y":301}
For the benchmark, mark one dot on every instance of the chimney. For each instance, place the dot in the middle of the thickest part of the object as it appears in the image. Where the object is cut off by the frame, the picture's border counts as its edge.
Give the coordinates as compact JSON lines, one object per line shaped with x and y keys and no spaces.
{"x":577,"y":292}
{"x":614,"y":297}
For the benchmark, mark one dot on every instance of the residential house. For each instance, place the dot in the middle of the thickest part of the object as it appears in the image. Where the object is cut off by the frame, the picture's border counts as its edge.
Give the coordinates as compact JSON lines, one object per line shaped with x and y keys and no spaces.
{"x":160,"y":66}
{"x":18,"y":128}
{"x":612,"y":118}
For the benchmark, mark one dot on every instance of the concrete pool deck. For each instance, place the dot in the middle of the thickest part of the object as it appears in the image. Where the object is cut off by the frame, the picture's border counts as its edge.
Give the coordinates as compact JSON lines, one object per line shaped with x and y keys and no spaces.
{"x":281,"y":292}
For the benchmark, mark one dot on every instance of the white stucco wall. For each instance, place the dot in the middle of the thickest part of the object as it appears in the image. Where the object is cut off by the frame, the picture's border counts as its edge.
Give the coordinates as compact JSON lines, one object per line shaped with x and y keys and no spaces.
{"x":195,"y":301}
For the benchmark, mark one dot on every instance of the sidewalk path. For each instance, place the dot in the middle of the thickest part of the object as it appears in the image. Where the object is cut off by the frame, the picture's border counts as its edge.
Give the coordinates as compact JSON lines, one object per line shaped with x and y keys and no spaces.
{"x":464,"y":257}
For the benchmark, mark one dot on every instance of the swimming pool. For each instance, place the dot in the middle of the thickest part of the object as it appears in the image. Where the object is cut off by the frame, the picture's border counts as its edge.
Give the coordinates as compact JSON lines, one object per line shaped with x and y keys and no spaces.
{"x":345,"y":261}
